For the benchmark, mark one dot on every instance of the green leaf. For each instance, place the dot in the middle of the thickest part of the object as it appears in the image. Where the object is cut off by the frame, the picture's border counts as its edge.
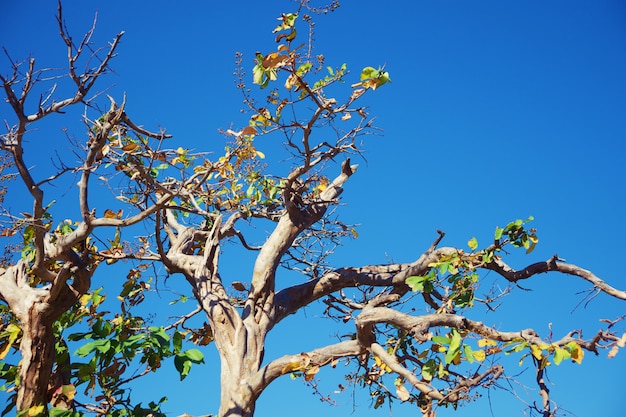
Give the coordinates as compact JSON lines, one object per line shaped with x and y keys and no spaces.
{"x":498,"y":233}
{"x":469,"y":354}
{"x":177,"y":341}
{"x":194,"y":355}
{"x":368,"y":72}
{"x":473,"y":243}
{"x":183,"y":361}
{"x":416,"y":283}
{"x":102,"y":346}
{"x":440,"y":340}
{"x":455,"y":347}
{"x":183,"y":366}
{"x":158,"y":335}
{"x":304,"y":68}
{"x":560,"y":354}
{"x":59,"y":412}
{"x":429,"y":369}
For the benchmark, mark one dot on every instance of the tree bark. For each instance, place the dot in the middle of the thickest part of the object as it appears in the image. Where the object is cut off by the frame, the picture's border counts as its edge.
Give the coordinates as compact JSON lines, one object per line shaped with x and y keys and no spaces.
{"x":37,"y":349}
{"x":36,"y":309}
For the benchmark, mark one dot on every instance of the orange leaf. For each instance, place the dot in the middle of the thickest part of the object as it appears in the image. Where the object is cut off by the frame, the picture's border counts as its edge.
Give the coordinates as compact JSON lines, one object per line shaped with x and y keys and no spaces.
{"x":130,"y":147}
{"x":110,"y":214}
{"x":248,"y":130}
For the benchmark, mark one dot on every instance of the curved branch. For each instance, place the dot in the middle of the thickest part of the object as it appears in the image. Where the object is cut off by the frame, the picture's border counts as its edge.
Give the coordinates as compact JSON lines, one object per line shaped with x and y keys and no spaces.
{"x":418,"y":327}
{"x":553,"y":264}
{"x":290,"y":225}
{"x":293,"y":298}
{"x":295,"y":363}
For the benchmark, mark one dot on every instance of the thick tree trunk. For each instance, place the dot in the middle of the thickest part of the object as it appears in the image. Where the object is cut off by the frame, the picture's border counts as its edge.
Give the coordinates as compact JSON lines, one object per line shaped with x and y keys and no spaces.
{"x":240,"y":361}
{"x":37,"y":349}
{"x":233,"y":401}
{"x":36,"y":310}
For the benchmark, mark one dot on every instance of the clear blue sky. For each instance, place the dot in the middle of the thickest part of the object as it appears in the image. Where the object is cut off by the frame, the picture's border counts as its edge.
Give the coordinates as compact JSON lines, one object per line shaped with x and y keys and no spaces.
{"x":497,"y":110}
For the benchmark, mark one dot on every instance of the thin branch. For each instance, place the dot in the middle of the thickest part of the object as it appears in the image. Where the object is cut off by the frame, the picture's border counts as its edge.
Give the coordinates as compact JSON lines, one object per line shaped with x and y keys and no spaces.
{"x":553,"y":264}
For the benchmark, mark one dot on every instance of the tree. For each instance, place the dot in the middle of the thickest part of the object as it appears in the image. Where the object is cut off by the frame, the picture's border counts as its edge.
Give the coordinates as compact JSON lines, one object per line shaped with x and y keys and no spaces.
{"x":185,"y":206}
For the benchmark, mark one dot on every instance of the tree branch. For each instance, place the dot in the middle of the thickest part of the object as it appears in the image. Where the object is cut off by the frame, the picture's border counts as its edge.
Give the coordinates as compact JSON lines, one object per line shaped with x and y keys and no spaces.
{"x":295,"y":363}
{"x":553,"y":264}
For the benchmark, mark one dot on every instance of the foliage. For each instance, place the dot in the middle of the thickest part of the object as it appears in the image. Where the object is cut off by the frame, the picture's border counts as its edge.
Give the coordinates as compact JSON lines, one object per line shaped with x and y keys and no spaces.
{"x":181,"y":206}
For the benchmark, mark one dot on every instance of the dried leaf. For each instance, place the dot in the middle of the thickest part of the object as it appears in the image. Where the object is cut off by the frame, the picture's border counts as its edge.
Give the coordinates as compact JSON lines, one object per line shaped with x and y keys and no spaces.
{"x":8,"y":232}
{"x":248,"y":130}
{"x":110,"y":214}
{"x":310,"y":373}
{"x":402,"y":393}
{"x":130,"y":147}
{"x":578,"y":354}
{"x":291,"y":367}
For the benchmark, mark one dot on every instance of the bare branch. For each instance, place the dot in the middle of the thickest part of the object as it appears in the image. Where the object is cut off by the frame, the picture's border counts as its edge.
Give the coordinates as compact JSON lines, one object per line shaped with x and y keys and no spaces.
{"x":553,"y":264}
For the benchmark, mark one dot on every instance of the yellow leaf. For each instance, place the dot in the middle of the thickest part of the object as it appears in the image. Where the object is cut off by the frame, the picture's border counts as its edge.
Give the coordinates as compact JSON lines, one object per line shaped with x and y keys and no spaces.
{"x":84,"y":299}
{"x":479,"y":355}
{"x":4,"y":349}
{"x":13,"y":331}
{"x":536,"y":351}
{"x":291,"y":367}
{"x":487,"y":342}
{"x":260,"y":154}
{"x":35,"y":410}
{"x":382,"y":365}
